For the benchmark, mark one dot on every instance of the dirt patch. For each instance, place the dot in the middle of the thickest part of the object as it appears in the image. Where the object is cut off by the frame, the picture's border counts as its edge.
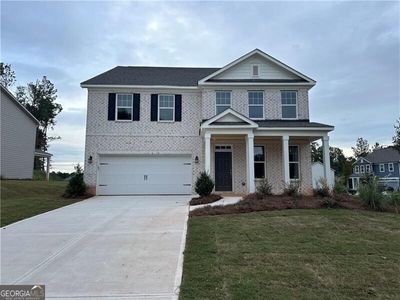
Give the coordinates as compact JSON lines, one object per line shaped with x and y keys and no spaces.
{"x":205,"y":200}
{"x":251,"y":203}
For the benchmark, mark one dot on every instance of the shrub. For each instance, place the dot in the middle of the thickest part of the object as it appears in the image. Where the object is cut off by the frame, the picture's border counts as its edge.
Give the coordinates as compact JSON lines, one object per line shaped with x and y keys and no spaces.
{"x":204,"y":185}
{"x":292,"y":189}
{"x":394,"y":200}
{"x":264,"y":188}
{"x":76,"y":186}
{"x":340,"y":186}
{"x":369,"y":193}
{"x":330,"y":203}
{"x":323,"y":189}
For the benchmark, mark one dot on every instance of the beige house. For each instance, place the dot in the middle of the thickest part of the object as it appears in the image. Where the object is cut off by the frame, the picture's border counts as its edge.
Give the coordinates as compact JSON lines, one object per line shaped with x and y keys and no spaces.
{"x":152,"y":130}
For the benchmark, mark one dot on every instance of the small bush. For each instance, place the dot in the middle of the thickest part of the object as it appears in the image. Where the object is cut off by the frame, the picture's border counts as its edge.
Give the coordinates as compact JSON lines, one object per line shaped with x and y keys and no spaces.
{"x":292,"y":189}
{"x":39,"y":175}
{"x":264,"y":189}
{"x":340,"y":186}
{"x":204,"y":185}
{"x":330,"y":203}
{"x":76,"y":186}
{"x":322,"y":189}
{"x":369,"y":193}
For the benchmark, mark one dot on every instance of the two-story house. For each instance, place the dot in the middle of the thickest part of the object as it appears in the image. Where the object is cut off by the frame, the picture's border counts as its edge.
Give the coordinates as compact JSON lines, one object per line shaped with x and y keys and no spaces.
{"x":383,"y":163}
{"x":152,"y":130}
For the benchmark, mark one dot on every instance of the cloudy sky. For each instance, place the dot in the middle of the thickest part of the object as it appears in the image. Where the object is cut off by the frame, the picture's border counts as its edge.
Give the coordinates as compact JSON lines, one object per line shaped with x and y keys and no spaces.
{"x":350,"y":48}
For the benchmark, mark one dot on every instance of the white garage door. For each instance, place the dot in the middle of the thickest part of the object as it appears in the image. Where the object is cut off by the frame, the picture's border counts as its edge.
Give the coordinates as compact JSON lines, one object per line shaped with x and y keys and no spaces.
{"x":127,"y":175}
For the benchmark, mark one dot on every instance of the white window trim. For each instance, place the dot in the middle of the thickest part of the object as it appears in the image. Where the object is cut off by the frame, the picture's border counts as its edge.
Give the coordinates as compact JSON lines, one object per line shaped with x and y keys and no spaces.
{"x":381,"y":168}
{"x":252,"y":70}
{"x":226,"y":148}
{"x":356,"y":169}
{"x":367,"y":168}
{"x":230,"y":104}
{"x":297,"y":105}
{"x":263,"y":105}
{"x":390,"y":167}
{"x":261,"y":162}
{"x":362,"y":169}
{"x":117,"y":106}
{"x":297,"y":162}
{"x":173,"y":109}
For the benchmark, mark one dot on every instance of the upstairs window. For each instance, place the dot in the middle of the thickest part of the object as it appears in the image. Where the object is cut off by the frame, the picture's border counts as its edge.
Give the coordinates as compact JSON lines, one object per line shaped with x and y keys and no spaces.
{"x":166,"y":108}
{"x":124,"y":109}
{"x":381,"y":167}
{"x":367,"y":168}
{"x":356,"y":169}
{"x":289,"y":104}
{"x":259,"y":162}
{"x":294,"y":162}
{"x":362,"y":169}
{"x":222,"y":101}
{"x":390,"y":167}
{"x":256,"y":104}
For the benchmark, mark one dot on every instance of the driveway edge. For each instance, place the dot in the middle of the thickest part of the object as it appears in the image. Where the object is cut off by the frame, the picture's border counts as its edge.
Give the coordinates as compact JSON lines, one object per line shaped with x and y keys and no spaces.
{"x":179,"y":267}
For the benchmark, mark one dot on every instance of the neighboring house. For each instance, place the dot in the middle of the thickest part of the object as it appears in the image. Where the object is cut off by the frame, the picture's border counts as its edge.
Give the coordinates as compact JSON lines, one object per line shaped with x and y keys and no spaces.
{"x":152,"y":130}
{"x":18,"y":134}
{"x":383,"y":163}
{"x":317,"y":171}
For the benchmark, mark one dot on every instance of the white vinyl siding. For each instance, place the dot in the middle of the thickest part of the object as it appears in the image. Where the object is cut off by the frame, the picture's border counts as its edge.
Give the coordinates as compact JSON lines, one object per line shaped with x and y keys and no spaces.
{"x":166,"y":108}
{"x":223,"y":101}
{"x":289,"y":104}
{"x":256,"y":104}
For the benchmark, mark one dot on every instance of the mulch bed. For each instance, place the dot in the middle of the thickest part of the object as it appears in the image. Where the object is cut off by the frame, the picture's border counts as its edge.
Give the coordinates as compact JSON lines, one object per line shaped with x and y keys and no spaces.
{"x":251,"y":203}
{"x":205,"y":200}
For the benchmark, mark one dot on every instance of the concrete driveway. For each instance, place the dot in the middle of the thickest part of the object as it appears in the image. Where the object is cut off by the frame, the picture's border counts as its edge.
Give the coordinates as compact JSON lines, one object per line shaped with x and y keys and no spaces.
{"x":117,"y":247}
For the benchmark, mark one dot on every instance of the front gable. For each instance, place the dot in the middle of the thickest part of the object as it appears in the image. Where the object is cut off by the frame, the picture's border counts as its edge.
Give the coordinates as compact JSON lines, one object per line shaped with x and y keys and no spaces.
{"x":268,"y":71}
{"x":229,"y":118}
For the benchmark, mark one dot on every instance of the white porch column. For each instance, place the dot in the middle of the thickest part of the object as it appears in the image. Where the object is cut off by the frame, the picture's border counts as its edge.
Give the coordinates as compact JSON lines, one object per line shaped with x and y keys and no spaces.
{"x":285,"y":156}
{"x":207,"y":147}
{"x":250,"y":162}
{"x":326,"y":158}
{"x":48,"y":169}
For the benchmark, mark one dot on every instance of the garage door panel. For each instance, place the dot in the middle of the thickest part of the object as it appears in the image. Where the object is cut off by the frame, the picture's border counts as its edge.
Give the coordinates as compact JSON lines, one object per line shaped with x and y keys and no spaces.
{"x":119,"y":175}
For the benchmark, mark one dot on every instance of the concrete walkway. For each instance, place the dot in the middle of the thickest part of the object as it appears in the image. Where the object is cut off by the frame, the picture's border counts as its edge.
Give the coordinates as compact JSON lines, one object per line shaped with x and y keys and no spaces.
{"x":125,"y":247}
{"x":222,"y":202}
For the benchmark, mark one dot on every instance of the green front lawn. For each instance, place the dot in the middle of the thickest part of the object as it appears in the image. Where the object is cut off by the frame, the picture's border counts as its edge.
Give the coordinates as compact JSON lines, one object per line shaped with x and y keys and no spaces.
{"x":293,"y":254}
{"x":21,"y":199}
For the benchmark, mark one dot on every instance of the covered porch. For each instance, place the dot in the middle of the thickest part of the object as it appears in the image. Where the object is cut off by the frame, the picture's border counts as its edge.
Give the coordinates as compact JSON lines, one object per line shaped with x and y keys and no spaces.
{"x":238,"y":153}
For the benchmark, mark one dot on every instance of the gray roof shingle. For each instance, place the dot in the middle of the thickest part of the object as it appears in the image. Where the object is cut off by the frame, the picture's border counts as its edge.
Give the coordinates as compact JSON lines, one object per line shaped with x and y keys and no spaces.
{"x":389,"y":154}
{"x":163,"y":76}
{"x":290,"y":123}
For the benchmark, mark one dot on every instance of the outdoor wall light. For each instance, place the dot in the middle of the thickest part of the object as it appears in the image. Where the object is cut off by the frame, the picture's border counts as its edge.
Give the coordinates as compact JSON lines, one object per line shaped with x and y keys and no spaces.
{"x":90,"y":159}
{"x":196,"y":160}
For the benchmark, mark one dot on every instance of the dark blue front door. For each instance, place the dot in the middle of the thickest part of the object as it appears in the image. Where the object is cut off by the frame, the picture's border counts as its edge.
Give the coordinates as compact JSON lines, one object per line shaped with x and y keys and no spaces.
{"x":223,"y":171}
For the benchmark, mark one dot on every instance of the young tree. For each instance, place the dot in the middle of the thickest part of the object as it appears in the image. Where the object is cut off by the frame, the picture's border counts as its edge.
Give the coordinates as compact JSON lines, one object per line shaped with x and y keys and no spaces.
{"x":39,"y":99}
{"x":7,"y":75}
{"x":396,"y":137}
{"x":316,"y":152}
{"x":361,"y":149}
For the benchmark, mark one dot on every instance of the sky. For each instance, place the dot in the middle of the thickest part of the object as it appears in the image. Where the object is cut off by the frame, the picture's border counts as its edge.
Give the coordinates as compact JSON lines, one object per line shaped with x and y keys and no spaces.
{"x":350,"y":48}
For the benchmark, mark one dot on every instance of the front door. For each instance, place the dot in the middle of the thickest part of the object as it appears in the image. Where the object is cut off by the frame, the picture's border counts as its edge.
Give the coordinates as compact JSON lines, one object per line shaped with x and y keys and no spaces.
{"x":223,"y":171}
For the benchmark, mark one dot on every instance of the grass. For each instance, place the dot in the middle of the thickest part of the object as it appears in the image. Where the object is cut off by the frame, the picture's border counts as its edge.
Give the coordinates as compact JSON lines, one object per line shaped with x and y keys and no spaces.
{"x":293,"y":254}
{"x":21,"y":199}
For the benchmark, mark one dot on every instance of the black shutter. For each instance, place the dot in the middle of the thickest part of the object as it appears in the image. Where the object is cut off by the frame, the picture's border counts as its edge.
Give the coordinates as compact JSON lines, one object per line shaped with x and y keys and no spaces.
{"x":154,"y":107}
{"x":178,"y":108}
{"x":136,"y":107}
{"x":111,"y":106}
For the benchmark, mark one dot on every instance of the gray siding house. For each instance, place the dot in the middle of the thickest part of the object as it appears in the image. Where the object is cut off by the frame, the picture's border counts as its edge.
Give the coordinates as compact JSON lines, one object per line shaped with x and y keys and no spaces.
{"x":152,"y":130}
{"x":18,"y":135}
{"x":383,"y":163}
